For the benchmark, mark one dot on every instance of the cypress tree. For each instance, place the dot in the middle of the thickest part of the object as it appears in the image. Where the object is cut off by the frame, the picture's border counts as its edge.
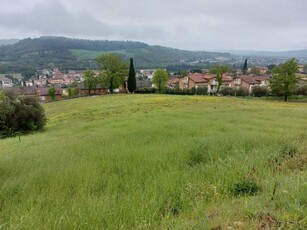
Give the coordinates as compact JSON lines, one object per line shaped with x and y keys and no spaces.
{"x":245,"y":67}
{"x":131,"y":78}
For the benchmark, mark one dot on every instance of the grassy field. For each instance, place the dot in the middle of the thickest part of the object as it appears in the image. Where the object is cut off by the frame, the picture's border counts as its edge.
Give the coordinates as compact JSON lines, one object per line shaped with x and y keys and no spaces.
{"x":158,"y":162}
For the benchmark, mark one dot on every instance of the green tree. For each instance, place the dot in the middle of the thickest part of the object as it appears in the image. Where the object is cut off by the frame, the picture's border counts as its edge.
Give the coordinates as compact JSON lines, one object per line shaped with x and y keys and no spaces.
{"x":20,"y":114}
{"x":219,"y":70}
{"x":113,"y":70}
{"x":6,"y":108}
{"x":245,"y":67}
{"x":284,"y":79}
{"x":160,"y":79}
{"x":51,"y":93}
{"x":131,"y":78}
{"x":90,"y":81}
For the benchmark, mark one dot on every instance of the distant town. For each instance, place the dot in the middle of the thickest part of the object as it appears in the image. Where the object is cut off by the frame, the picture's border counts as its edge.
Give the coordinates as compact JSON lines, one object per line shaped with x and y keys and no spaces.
{"x":34,"y":66}
{"x":71,"y":83}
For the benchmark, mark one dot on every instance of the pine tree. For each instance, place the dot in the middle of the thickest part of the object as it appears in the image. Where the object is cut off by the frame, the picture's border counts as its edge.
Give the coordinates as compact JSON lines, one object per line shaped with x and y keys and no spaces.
{"x":131,"y":78}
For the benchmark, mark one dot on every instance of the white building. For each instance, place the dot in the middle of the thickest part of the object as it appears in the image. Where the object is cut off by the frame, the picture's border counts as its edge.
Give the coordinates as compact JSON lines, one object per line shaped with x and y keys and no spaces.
{"x":5,"y":82}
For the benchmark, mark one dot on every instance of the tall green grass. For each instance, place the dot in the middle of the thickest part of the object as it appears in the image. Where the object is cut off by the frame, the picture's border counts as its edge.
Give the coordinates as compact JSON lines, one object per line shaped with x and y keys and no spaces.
{"x":156,"y":162}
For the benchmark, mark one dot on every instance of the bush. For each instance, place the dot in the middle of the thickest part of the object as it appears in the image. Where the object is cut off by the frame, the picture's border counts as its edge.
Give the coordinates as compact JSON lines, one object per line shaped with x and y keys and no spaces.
{"x":73,"y":92}
{"x":234,"y":92}
{"x":244,"y":188}
{"x":260,"y":91}
{"x":179,"y":92}
{"x":201,"y":91}
{"x":302,"y":90}
{"x":227,"y":91}
{"x":193,"y":91}
{"x":20,"y":114}
{"x":241,"y":92}
{"x":145,"y":90}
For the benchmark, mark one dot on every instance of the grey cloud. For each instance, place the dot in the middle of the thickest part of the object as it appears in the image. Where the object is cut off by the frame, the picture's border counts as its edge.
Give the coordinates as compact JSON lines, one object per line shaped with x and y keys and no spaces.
{"x":52,"y":18}
{"x":189,"y":24}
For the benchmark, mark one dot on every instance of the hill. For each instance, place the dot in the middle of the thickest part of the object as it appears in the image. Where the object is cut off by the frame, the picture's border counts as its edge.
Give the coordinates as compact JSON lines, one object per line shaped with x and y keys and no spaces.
{"x":8,"y":41}
{"x":158,"y":162}
{"x":65,"y":53}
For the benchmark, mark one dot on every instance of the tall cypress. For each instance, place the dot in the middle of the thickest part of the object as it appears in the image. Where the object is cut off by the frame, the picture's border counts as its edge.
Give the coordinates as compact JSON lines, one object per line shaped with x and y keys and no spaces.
{"x":245,"y":67}
{"x":131,"y":78}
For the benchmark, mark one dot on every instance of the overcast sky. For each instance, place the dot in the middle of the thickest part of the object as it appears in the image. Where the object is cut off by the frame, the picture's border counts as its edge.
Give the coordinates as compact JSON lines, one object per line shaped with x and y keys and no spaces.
{"x":184,"y":24}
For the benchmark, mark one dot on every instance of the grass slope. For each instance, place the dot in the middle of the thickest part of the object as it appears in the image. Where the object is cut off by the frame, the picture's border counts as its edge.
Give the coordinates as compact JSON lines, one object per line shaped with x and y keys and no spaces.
{"x":157,"y":162}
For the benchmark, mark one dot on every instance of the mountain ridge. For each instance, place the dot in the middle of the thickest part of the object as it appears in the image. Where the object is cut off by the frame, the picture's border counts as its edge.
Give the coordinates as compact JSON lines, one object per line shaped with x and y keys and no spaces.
{"x":68,"y":53}
{"x":10,"y":41}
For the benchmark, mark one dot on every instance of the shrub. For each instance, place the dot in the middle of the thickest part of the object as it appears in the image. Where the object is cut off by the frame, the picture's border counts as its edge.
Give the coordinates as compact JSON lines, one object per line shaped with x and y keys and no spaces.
{"x":227,"y":91}
{"x":202,"y":90}
{"x":73,"y":92}
{"x":244,"y":188}
{"x":51,"y":93}
{"x":234,"y":92}
{"x":145,"y":90}
{"x":260,"y":91}
{"x":179,"y":91}
{"x":302,"y":90}
{"x":241,"y":92}
{"x":20,"y":115}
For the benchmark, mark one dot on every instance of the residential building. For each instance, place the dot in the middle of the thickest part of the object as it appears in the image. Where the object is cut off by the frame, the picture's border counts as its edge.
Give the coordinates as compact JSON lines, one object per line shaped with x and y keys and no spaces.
{"x":40,"y":82}
{"x":197,"y":80}
{"x":142,"y":83}
{"x":248,"y":82}
{"x":29,"y":83}
{"x":213,"y":83}
{"x":6,"y":82}
{"x":98,"y":90}
{"x":193,"y":80}
{"x":173,"y":83}
{"x":264,"y":80}
{"x":183,"y":82}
